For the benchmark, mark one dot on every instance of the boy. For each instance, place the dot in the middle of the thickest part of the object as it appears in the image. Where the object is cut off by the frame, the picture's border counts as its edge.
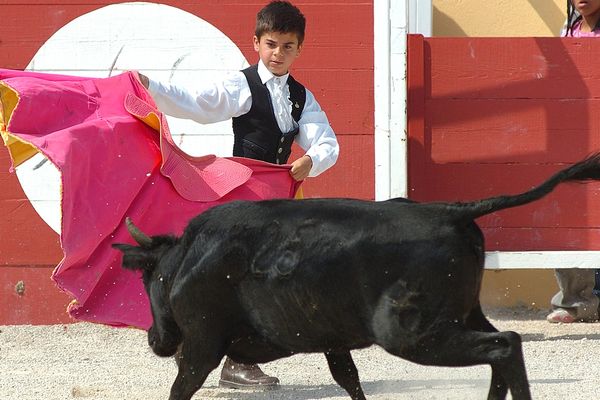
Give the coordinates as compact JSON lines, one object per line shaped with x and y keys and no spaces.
{"x":270,"y":110}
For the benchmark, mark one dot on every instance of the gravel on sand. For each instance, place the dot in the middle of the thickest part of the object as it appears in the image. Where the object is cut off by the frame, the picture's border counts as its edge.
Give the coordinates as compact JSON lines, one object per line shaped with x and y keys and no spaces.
{"x":88,"y":361}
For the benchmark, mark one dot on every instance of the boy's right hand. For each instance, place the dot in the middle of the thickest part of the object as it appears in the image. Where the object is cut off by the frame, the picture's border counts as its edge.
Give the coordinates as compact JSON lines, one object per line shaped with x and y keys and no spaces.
{"x":301,"y":168}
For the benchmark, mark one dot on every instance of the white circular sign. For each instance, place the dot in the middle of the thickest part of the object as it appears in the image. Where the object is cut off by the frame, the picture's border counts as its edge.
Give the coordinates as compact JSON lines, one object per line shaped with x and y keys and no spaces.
{"x":163,"y":42}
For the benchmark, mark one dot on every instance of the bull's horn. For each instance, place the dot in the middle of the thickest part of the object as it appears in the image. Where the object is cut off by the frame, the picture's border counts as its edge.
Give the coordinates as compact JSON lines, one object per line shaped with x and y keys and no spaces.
{"x":137,"y":234}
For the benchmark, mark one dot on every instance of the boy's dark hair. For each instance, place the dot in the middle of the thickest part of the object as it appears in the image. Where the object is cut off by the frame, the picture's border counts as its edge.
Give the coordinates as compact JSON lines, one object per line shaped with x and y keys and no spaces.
{"x":572,"y":17}
{"x":280,"y":16}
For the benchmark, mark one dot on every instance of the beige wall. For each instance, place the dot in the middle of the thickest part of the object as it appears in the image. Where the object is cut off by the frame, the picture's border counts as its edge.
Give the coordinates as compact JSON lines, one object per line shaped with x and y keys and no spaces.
{"x":530,"y":288}
{"x":498,"y":17}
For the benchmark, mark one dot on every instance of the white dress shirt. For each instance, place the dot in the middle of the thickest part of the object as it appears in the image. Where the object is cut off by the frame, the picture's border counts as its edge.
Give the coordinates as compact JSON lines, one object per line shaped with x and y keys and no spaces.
{"x":214,"y":101}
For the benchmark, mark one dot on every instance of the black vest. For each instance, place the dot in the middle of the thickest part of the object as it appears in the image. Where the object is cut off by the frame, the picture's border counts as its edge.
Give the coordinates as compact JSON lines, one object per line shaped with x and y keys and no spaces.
{"x":256,"y":133}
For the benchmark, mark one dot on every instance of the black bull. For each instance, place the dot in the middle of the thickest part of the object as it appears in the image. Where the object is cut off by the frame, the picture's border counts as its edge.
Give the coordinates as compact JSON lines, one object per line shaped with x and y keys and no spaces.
{"x":258,"y":281}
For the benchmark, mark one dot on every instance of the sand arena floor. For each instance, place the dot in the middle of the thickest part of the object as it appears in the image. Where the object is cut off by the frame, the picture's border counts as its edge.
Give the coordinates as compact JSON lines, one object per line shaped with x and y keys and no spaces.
{"x":87,"y":361}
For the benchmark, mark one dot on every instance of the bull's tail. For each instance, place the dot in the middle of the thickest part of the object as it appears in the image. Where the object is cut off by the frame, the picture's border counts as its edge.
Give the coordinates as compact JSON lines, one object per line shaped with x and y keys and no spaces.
{"x":585,"y":170}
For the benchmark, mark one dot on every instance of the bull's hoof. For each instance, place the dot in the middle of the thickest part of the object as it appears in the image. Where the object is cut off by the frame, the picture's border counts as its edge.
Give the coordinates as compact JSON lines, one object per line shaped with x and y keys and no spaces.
{"x":246,"y":376}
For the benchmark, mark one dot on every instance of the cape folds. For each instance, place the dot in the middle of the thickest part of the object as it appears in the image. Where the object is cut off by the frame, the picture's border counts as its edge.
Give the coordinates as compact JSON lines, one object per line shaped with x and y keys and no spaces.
{"x":116,"y":159}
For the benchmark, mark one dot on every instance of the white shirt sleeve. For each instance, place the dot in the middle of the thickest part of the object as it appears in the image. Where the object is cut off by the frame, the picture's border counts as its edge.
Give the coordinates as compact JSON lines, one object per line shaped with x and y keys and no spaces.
{"x":207,"y":102}
{"x":316,"y":136}
{"x":215,"y":101}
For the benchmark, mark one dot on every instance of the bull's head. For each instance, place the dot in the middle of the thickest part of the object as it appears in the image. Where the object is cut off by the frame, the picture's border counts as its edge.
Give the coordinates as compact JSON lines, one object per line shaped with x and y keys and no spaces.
{"x":164,"y":335}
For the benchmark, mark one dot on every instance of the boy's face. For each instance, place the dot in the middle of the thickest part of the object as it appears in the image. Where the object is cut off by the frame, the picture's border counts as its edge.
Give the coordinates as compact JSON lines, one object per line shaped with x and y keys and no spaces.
{"x":277,"y":50}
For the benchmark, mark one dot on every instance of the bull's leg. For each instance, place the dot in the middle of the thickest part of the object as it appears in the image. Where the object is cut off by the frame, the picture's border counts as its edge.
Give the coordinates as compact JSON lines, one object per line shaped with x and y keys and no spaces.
{"x":177,"y":356}
{"x":344,"y":372}
{"x":477,"y":321}
{"x":196,"y":360}
{"x":459,"y":348}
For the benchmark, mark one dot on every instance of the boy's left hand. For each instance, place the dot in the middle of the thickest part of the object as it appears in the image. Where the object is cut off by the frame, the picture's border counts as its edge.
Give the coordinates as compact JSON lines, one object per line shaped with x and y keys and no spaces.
{"x":301,"y":168}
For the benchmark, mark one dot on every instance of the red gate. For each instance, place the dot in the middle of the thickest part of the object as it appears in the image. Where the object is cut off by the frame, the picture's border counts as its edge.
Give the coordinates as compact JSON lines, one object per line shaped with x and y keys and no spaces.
{"x":492,"y":116}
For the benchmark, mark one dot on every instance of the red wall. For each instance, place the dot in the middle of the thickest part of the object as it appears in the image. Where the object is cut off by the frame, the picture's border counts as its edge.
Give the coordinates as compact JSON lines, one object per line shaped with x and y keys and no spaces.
{"x":336,"y":65}
{"x":492,"y":116}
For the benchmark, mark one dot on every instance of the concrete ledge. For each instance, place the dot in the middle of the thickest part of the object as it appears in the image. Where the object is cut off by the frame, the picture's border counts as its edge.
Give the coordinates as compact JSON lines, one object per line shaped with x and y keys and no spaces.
{"x":541,"y":259}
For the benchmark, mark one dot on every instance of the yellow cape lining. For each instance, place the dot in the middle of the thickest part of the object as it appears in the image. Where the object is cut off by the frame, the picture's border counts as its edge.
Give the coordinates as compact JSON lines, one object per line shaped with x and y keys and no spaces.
{"x":19,"y":150}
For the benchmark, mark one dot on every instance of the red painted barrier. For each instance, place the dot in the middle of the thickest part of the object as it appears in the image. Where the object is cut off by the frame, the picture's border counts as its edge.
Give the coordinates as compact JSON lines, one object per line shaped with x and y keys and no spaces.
{"x":492,"y":116}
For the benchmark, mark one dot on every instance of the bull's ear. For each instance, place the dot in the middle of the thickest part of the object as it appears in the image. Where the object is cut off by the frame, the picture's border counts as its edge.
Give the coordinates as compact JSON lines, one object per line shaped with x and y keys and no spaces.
{"x":136,"y":258}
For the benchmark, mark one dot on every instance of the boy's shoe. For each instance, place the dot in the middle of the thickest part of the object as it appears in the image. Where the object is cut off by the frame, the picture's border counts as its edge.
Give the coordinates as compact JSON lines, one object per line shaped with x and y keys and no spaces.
{"x":245,"y":376}
{"x":560,"y":315}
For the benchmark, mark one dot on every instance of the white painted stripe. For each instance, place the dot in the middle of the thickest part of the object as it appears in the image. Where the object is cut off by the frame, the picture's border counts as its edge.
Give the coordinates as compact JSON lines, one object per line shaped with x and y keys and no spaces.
{"x":541,"y":259}
{"x":420,"y":17}
{"x":392,"y":21}
{"x":382,"y":79}
{"x":398,"y":101}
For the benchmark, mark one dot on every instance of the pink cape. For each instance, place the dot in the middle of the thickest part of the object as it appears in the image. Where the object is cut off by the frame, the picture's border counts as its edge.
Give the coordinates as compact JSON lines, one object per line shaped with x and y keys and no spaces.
{"x":117,"y":160}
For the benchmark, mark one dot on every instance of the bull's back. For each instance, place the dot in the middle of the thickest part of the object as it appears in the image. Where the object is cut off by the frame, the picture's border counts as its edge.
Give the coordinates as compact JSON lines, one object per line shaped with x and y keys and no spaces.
{"x":315,"y":272}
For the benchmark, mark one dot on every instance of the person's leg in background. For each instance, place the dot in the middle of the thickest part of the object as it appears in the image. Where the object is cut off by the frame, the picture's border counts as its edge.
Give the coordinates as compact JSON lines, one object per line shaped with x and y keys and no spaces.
{"x":597,"y":285}
{"x":576,"y":300}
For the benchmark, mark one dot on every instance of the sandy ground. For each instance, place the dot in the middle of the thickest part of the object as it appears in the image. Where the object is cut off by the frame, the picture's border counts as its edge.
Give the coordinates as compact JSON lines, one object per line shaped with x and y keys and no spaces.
{"x":87,"y":361}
